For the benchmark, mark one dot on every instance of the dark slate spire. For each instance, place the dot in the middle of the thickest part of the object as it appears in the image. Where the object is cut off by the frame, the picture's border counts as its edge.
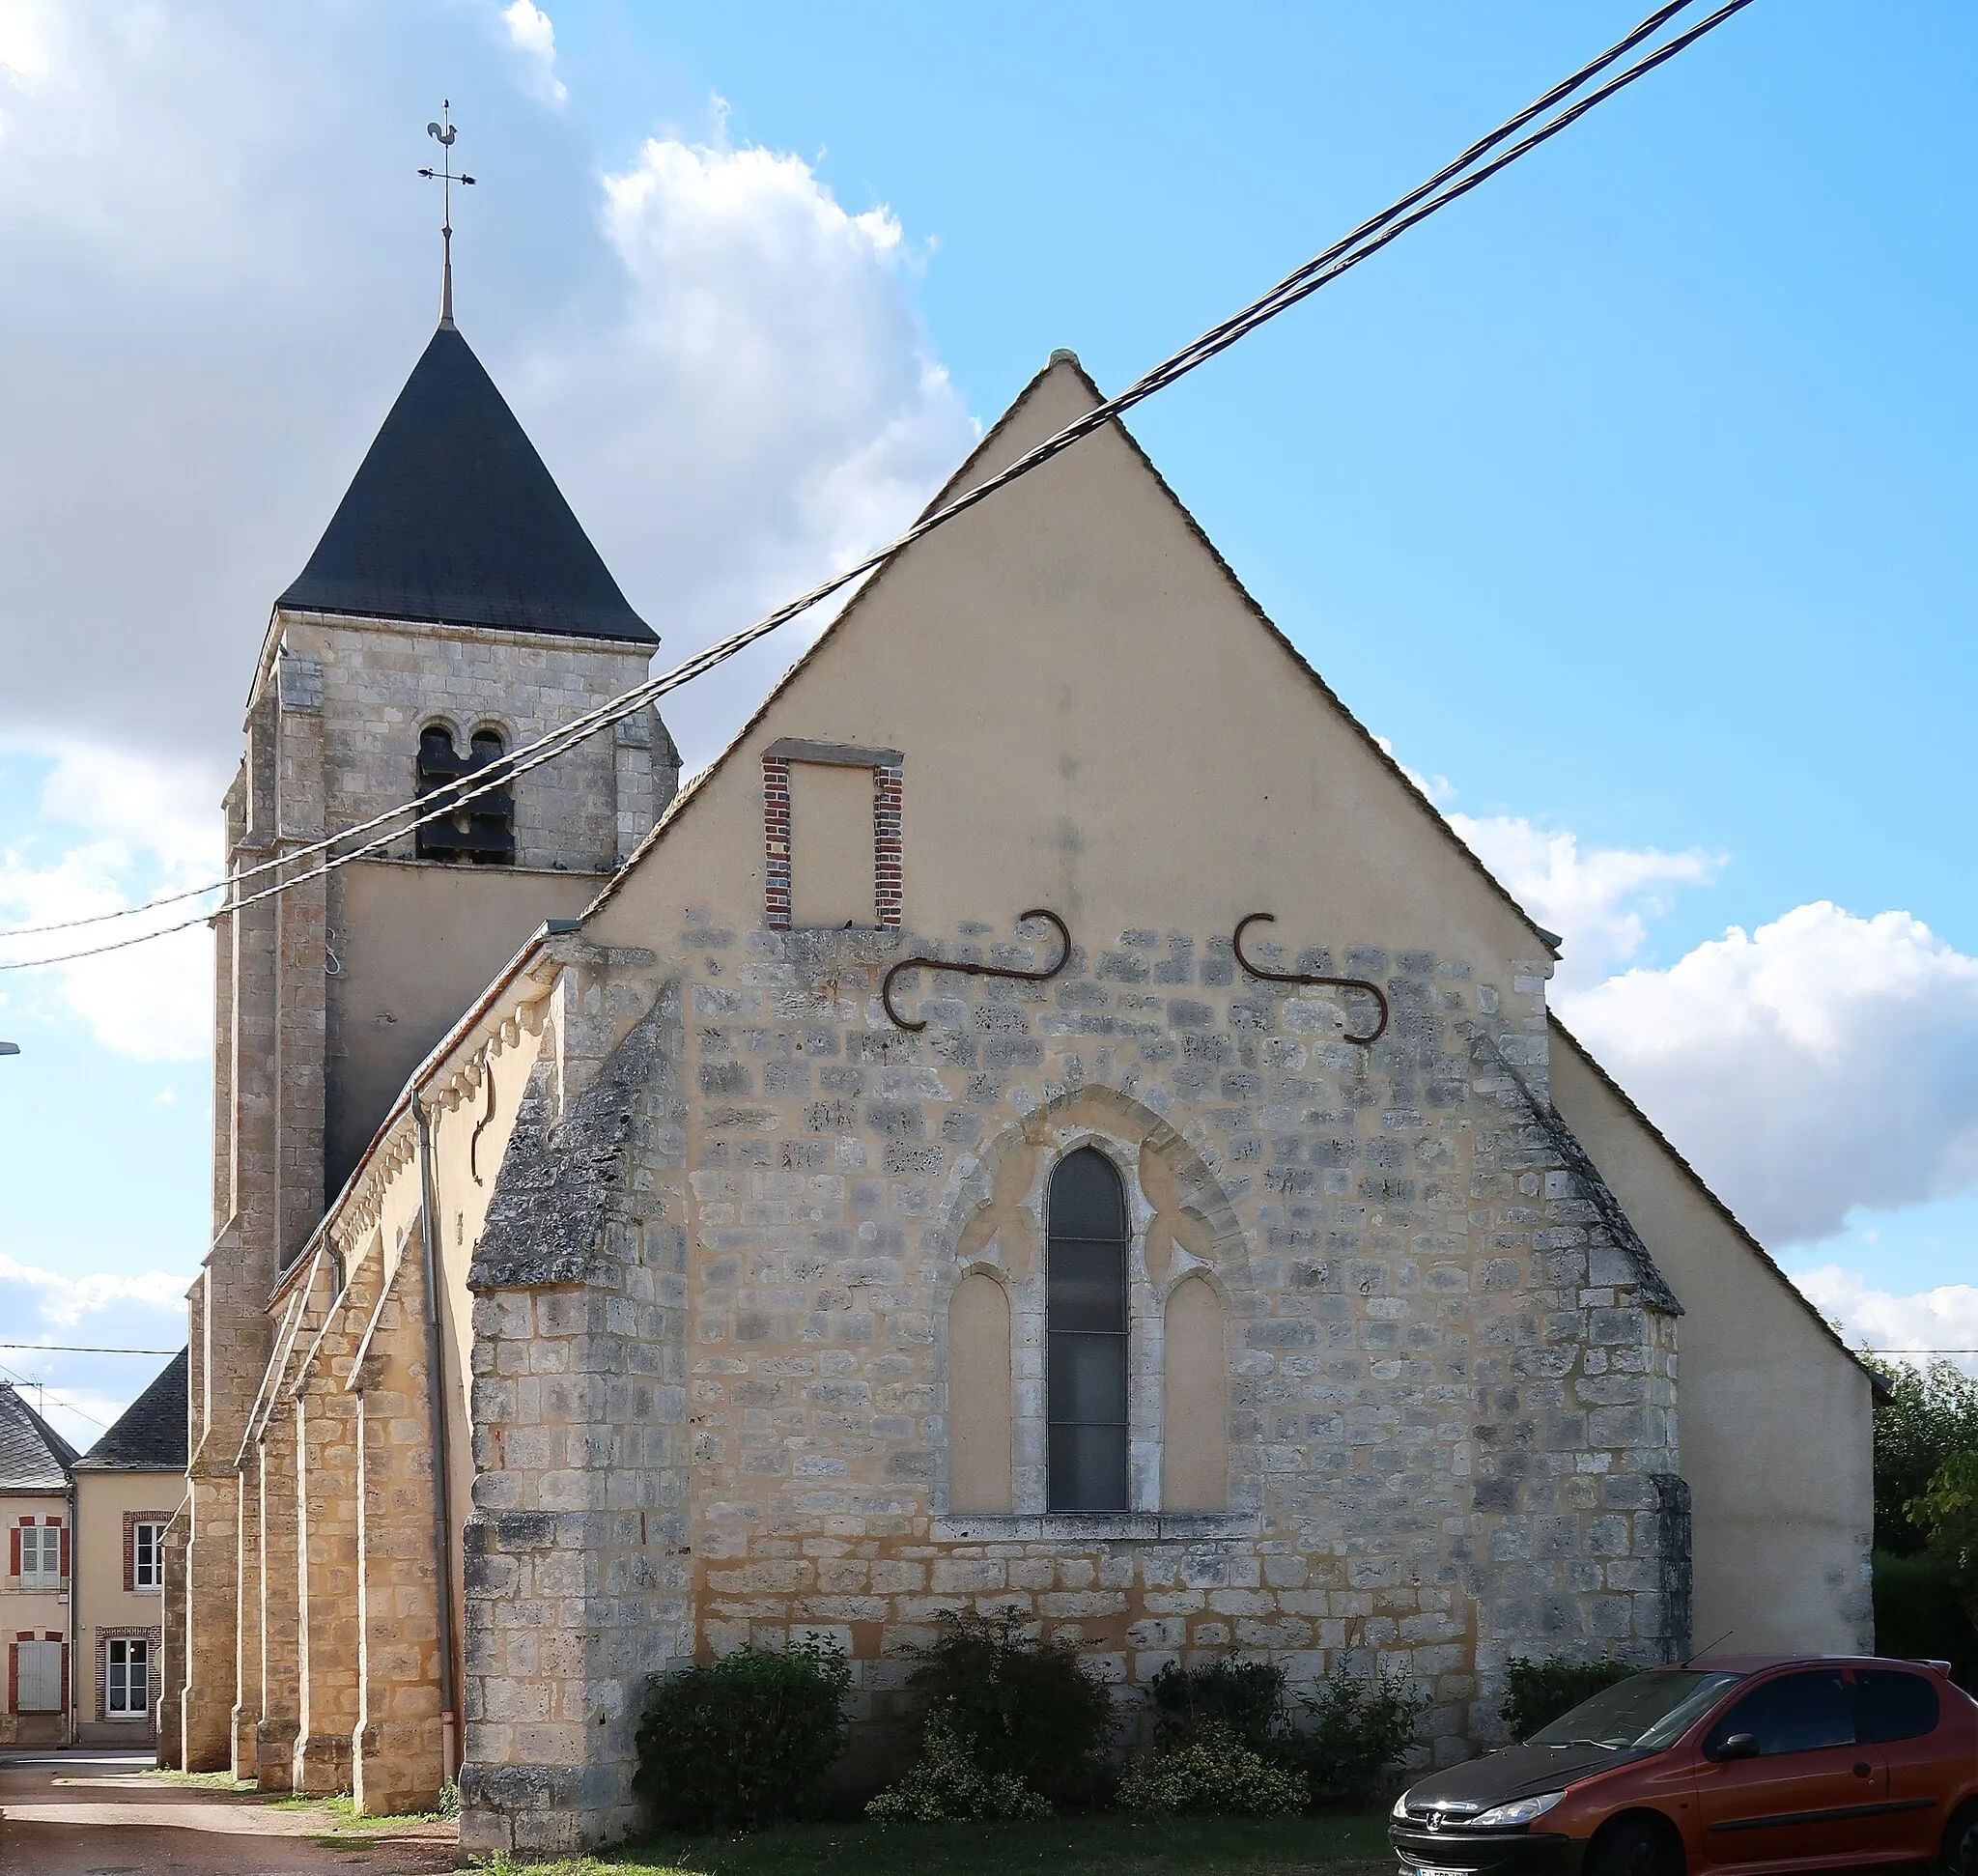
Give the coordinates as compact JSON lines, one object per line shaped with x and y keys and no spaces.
{"x":452,"y":517}
{"x":152,"y":1435}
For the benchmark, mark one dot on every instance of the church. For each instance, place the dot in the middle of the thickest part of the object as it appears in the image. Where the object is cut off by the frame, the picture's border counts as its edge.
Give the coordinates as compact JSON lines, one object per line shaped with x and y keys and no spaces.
{"x":1050,"y":1118}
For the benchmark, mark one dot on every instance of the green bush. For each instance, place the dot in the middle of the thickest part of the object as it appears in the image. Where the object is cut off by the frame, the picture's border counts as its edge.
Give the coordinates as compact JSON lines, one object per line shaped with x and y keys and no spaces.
{"x":747,"y":1741}
{"x":946,"y":1786}
{"x":1919,"y":1615}
{"x":1243,"y":1698}
{"x":1358,"y":1730}
{"x":1215,"y":1774}
{"x":1025,"y":1709}
{"x":1538,"y":1691}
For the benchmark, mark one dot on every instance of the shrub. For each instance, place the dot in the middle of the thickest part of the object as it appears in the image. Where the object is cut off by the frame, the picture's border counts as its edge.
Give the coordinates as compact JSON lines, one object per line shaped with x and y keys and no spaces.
{"x":1540,"y":1692}
{"x":1024,"y":1708}
{"x":1214,"y":1774}
{"x":947,"y":1786}
{"x":747,"y":1741}
{"x":1359,"y":1729}
{"x":1917,"y":1615}
{"x":1243,"y":1698}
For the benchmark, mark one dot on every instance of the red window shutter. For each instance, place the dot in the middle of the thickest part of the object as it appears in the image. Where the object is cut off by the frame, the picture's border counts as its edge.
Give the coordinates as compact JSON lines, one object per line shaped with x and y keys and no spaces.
{"x":65,"y":1547}
{"x":13,"y":1568}
{"x":13,"y":1676}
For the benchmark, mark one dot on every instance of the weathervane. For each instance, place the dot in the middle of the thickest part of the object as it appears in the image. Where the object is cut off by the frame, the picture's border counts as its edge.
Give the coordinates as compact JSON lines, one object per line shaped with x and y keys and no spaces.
{"x":444,"y":133}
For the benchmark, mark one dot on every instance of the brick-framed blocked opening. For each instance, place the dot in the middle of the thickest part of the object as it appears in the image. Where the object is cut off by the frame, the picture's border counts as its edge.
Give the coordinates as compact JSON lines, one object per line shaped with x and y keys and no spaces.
{"x":889,"y":852}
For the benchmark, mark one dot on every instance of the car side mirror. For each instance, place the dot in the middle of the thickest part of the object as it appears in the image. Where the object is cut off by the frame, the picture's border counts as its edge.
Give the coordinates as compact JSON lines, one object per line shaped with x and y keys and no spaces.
{"x":1740,"y":1745}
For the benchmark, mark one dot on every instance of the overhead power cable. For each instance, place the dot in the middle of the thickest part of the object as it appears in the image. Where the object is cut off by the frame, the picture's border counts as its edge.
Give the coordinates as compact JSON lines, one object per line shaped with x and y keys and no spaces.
{"x":77,"y":1349}
{"x":1448,"y":185}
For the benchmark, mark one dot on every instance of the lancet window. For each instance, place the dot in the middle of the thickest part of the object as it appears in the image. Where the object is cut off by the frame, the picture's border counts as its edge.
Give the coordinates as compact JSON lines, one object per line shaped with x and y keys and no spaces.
{"x":1086,"y":1310}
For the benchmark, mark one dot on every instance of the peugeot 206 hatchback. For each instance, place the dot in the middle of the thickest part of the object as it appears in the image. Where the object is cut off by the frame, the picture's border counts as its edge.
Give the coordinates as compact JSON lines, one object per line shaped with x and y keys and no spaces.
{"x":1730,"y":1764}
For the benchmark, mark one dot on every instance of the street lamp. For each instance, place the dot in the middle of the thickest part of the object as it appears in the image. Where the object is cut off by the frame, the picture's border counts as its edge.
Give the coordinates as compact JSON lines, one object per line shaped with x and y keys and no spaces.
{"x":10,"y":1048}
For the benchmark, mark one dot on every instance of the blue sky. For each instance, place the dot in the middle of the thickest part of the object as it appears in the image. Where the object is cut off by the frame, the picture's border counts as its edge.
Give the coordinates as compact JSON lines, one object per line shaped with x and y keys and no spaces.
{"x":1629,"y":499}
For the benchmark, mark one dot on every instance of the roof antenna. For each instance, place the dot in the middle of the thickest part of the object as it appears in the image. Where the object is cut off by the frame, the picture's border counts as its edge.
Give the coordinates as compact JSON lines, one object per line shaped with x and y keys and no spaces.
{"x":1697,"y":1654}
{"x":444,"y":133}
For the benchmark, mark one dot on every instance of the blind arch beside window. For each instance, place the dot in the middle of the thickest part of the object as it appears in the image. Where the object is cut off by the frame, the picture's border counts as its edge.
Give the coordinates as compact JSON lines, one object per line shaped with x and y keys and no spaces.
{"x":1085,"y":1305}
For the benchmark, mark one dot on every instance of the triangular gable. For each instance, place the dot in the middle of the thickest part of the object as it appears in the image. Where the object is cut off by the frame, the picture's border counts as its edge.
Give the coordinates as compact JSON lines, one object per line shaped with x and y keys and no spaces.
{"x":1005,"y":441}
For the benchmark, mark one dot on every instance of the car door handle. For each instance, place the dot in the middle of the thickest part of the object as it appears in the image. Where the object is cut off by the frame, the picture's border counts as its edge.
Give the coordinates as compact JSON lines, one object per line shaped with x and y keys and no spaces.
{"x":1863,"y":1769}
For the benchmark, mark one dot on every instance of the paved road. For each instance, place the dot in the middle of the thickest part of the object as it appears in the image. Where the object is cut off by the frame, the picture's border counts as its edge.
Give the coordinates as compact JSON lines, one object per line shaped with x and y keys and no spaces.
{"x":93,"y":1814}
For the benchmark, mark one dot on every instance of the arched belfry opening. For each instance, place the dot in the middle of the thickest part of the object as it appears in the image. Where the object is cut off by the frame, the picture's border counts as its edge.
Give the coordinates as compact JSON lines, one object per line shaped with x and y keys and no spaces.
{"x":1086,"y":1315}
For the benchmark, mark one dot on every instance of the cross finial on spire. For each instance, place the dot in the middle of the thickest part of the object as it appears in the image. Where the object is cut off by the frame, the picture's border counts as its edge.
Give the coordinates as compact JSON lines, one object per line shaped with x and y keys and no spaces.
{"x":444,"y":133}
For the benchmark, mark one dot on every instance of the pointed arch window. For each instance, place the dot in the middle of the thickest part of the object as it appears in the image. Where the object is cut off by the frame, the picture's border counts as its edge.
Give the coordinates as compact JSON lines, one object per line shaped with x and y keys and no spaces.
{"x":482,"y":828}
{"x":1086,"y":1334}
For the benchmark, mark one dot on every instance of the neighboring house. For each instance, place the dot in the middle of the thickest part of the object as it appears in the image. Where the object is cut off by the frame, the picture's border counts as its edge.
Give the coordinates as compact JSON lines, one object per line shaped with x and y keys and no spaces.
{"x":34,"y":1601}
{"x":126,"y":1488}
{"x":632,"y":1241}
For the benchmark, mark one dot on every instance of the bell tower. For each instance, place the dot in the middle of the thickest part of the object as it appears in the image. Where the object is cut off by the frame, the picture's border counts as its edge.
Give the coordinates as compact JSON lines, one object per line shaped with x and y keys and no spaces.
{"x":453,"y":611}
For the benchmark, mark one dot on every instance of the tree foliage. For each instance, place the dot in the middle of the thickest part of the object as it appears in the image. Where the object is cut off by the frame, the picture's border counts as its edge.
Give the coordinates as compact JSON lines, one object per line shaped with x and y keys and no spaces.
{"x":1948,"y":1512}
{"x":1931,"y":1418}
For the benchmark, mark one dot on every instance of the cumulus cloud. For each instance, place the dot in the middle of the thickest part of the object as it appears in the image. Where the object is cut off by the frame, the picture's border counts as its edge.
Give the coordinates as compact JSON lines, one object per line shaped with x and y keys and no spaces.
{"x":1945,"y":1318}
{"x":765,"y":407}
{"x":116,"y":830}
{"x":1599,"y":899}
{"x":87,"y":1392}
{"x":1819,"y":1063}
{"x":531,"y":30}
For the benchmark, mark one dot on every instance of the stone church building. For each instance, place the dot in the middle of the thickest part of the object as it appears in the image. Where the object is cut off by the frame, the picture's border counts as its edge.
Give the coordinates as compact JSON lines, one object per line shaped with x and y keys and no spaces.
{"x":1051,"y":1116}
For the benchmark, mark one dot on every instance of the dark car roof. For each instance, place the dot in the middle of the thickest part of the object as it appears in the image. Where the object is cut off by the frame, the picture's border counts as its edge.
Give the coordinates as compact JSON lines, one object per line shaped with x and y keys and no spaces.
{"x":1758,"y":1663}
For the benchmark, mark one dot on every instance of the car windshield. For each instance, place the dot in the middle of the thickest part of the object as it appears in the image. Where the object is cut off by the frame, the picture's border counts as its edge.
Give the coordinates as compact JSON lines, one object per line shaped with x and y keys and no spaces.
{"x":1647,"y":1711}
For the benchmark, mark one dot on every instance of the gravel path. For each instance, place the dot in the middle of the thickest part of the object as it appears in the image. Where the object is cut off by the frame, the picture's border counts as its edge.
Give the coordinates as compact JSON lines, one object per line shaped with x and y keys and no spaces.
{"x":94,"y":1814}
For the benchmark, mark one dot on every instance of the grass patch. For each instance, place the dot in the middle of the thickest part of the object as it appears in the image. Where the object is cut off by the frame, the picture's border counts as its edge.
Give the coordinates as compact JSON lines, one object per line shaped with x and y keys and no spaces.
{"x":1087,"y":1846}
{"x":199,"y":1781}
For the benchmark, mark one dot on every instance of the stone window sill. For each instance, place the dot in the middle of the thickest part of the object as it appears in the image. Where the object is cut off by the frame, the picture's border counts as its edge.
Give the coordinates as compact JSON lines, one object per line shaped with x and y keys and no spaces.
{"x":1095,"y":1526}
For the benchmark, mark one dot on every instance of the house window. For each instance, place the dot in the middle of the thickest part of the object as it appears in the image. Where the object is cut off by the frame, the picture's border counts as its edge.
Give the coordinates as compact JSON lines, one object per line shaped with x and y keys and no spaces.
{"x":127,"y":1684}
{"x":1086,"y":1334}
{"x":40,"y":1556}
{"x":481,"y":828}
{"x":146,"y":1564}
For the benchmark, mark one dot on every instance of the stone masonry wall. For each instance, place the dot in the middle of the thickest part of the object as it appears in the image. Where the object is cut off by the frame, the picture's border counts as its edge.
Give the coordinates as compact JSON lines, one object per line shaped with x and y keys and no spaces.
{"x":577,"y":1566}
{"x":1451,"y":1382}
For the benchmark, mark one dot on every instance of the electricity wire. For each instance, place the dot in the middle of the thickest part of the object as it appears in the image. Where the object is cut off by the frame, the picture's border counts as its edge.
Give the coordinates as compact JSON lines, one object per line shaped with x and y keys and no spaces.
{"x":41,"y":1389}
{"x":1369,"y":237}
{"x":77,"y":1349}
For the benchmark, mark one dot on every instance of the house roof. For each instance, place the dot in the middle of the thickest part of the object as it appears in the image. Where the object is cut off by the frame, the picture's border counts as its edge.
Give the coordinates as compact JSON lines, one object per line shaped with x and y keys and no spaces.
{"x":452,"y":517}
{"x":150,"y":1436}
{"x":33,"y":1456}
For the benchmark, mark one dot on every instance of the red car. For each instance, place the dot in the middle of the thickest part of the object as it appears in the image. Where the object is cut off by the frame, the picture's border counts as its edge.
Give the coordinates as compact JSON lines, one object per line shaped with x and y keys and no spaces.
{"x":1734,"y":1764}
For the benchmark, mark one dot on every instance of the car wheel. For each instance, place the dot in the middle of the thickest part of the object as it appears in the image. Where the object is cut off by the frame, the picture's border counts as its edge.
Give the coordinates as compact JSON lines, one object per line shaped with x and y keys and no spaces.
{"x":1961,"y":1843}
{"x":1634,"y":1846}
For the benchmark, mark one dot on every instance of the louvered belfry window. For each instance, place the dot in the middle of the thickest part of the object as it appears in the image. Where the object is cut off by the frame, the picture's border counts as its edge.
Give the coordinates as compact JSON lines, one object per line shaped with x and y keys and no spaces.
{"x":1086,"y":1334}
{"x":482,"y":828}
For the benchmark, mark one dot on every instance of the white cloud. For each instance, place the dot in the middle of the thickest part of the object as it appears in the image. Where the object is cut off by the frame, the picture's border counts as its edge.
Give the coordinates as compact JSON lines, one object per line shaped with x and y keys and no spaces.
{"x":87,"y":1392}
{"x":1820,"y":1062}
{"x":1945,"y":1318}
{"x":145,"y":829}
{"x":62,"y":1302}
{"x":765,"y":406}
{"x":530,"y":31}
{"x":1599,"y":900}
